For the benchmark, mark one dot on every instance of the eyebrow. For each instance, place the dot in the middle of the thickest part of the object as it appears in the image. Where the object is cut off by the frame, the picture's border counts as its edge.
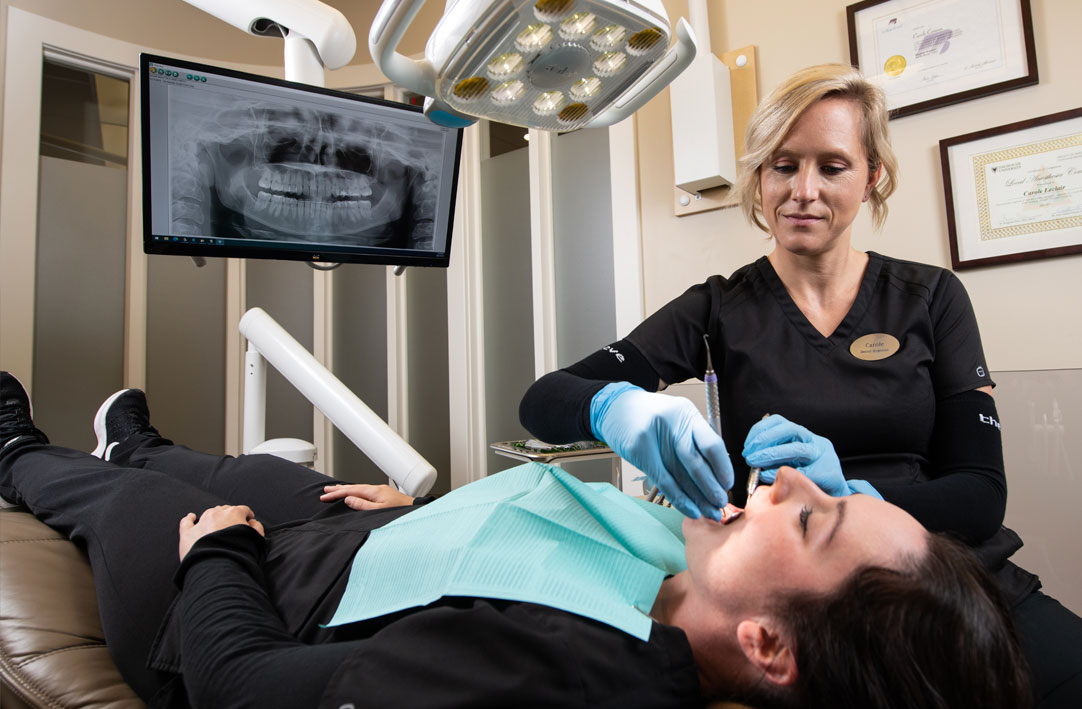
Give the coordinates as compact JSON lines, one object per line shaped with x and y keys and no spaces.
{"x":837,"y":522}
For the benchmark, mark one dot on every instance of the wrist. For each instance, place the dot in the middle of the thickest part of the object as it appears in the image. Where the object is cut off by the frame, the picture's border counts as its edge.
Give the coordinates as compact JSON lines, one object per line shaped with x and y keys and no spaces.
{"x":862,"y":487}
{"x":603,"y":401}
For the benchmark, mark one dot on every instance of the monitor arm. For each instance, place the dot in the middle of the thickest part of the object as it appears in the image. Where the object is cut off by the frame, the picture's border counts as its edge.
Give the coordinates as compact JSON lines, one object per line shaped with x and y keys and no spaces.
{"x":316,"y":35}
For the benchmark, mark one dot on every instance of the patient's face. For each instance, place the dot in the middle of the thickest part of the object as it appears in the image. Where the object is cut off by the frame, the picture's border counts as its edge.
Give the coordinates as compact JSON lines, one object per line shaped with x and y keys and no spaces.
{"x":793,"y":536}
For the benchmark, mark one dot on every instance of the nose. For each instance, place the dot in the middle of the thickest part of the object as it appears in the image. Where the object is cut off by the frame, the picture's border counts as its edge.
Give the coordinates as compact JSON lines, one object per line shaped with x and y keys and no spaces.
{"x":791,"y":483}
{"x":805,"y":184}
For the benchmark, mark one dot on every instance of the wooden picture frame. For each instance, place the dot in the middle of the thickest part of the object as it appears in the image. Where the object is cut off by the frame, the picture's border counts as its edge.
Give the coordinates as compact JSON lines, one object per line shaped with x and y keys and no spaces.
{"x":1014,"y":192}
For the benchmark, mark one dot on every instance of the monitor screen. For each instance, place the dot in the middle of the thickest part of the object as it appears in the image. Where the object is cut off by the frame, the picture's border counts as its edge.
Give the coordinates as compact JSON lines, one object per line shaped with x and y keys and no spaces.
{"x":241,"y":165}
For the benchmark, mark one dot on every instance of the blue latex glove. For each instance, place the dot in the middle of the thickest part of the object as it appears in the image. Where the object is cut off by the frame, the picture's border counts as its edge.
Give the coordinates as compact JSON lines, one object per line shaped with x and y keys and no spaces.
{"x":776,"y":441}
{"x":668,"y":439}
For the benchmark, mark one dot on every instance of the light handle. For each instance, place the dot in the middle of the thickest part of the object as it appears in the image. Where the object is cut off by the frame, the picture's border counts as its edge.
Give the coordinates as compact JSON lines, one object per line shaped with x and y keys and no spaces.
{"x":390,"y":25}
{"x":660,"y":75}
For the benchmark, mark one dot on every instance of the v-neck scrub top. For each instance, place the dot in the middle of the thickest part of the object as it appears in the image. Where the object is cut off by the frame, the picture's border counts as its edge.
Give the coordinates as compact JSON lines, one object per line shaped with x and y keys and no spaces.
{"x":770,"y":359}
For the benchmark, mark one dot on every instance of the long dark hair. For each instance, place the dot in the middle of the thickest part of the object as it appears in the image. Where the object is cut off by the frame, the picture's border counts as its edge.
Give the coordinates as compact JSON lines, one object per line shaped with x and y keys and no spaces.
{"x":934,"y":634}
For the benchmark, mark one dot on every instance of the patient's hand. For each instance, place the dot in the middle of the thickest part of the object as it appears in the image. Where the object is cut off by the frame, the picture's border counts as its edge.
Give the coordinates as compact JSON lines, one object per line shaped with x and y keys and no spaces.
{"x":366,"y":497}
{"x":212,"y":520}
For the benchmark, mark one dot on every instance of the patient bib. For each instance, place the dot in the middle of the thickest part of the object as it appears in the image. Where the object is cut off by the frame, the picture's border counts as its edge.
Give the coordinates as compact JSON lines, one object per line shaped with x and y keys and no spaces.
{"x":533,"y":533}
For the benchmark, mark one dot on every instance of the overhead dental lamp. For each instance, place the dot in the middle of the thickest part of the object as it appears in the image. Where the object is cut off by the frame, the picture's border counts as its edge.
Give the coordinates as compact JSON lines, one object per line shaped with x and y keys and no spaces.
{"x":555,"y":65}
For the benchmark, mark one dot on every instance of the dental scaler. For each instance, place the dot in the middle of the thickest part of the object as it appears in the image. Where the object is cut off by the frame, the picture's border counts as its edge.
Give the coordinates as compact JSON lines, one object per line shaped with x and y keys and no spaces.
{"x":713,"y":415}
{"x":713,"y":405}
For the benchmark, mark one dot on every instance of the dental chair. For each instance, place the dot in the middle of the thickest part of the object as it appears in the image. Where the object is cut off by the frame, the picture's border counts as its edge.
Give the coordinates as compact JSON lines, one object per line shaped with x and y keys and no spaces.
{"x":52,"y":648}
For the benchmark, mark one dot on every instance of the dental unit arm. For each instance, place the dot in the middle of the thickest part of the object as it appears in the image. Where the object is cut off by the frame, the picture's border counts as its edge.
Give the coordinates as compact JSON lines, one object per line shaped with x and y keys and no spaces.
{"x":269,"y":342}
{"x":469,"y":35}
{"x":316,"y":35}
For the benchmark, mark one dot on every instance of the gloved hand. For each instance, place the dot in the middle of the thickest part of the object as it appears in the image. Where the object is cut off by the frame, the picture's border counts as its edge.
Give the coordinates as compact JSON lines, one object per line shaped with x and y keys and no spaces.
{"x":668,"y":439}
{"x":775,"y":441}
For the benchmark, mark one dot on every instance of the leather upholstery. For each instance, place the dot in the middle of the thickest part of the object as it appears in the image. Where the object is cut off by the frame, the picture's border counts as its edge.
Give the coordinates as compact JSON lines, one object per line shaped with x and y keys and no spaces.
{"x":52,"y":649}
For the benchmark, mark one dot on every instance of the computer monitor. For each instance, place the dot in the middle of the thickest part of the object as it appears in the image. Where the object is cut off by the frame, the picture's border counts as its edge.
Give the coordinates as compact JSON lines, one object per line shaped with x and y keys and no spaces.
{"x":248,"y":166}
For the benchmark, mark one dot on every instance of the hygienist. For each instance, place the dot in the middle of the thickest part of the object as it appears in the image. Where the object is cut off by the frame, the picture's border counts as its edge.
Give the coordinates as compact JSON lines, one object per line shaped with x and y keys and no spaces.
{"x":882,"y":358}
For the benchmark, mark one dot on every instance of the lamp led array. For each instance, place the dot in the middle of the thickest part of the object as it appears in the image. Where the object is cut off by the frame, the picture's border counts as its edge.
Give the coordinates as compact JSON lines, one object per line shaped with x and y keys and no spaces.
{"x":554,"y":65}
{"x":554,"y":72}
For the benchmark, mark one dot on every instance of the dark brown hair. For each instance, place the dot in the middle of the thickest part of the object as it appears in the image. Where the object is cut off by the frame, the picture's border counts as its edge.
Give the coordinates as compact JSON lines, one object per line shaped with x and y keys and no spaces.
{"x":934,"y":634}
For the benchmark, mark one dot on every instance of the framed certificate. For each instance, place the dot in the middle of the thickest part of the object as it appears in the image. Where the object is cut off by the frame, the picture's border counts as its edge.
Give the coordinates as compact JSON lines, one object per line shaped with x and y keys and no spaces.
{"x":1014,"y":193}
{"x":932,"y":53}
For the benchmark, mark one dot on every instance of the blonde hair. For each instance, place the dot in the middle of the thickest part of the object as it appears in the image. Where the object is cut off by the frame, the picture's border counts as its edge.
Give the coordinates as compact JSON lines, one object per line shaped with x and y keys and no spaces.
{"x":776,"y":114}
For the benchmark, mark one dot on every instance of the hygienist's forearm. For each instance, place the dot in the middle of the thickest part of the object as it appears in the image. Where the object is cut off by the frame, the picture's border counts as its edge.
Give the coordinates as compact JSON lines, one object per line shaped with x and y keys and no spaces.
{"x":556,"y":408}
{"x":968,"y":493}
{"x":966,"y":505}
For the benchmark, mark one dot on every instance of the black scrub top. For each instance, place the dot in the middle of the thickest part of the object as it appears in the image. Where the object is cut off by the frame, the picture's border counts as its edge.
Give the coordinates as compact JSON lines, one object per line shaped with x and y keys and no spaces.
{"x":878,"y":413}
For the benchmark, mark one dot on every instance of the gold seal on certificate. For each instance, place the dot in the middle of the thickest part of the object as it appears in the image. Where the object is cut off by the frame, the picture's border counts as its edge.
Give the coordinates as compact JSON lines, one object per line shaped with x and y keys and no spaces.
{"x":874,"y":346}
{"x":894,"y":66}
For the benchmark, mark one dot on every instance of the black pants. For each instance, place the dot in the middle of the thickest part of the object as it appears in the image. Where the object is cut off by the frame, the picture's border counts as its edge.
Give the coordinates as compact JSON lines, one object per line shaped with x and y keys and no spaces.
{"x":126,"y":514}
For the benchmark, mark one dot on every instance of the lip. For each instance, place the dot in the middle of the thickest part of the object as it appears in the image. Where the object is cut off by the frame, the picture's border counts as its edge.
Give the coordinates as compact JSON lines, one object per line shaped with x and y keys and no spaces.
{"x":802,"y":219}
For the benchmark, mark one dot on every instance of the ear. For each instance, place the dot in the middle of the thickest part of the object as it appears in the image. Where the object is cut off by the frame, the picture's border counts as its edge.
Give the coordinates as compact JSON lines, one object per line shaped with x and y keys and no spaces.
{"x":768,"y":651}
{"x":873,"y":178}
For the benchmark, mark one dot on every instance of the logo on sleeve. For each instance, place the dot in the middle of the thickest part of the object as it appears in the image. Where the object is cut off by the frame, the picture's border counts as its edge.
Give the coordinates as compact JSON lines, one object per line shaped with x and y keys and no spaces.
{"x":610,"y":348}
{"x":980,"y":372}
{"x":990,"y":421}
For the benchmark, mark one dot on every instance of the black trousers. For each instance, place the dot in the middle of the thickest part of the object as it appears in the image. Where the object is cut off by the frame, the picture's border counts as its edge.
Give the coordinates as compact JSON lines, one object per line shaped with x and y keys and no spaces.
{"x":126,"y":514}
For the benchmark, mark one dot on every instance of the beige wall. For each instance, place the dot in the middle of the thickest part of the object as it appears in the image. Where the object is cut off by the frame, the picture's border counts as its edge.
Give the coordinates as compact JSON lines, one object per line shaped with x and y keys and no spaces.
{"x":1023,"y":308}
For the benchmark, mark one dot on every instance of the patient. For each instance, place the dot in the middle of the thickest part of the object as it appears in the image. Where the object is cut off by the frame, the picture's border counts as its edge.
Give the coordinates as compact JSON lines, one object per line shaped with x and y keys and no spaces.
{"x":804,"y":600}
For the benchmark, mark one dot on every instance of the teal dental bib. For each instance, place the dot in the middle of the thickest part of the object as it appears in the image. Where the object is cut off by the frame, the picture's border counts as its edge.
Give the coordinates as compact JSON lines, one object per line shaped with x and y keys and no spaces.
{"x":533,"y":533}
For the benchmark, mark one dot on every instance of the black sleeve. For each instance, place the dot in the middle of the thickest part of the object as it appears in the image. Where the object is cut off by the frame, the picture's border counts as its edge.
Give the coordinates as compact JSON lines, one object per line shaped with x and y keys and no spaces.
{"x":236,"y":649}
{"x":967,"y":495}
{"x":556,"y":408}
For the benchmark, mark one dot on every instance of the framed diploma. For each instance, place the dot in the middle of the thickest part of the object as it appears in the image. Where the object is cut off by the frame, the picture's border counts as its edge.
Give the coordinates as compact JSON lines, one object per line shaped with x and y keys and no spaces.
{"x":1014,"y":193}
{"x":932,"y":53}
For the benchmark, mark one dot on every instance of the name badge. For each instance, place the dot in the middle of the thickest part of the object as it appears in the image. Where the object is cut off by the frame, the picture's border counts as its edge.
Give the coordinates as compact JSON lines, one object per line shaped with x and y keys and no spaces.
{"x":877,"y":345}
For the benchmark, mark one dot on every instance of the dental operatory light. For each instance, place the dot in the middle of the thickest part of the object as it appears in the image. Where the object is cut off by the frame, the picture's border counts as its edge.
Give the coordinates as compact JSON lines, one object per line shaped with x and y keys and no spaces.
{"x":554,"y":65}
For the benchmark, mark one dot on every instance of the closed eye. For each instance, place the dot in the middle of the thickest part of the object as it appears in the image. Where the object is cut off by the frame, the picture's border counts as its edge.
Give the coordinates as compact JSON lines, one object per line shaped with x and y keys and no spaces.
{"x":805,"y":512}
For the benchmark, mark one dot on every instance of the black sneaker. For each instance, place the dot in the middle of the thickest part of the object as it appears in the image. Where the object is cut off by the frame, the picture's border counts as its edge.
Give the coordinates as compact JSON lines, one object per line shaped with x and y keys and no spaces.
{"x":123,"y":414}
{"x":16,"y":414}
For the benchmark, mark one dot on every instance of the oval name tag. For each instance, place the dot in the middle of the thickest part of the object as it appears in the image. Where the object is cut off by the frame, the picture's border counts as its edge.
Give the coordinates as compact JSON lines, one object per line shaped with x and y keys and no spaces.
{"x":877,"y":345}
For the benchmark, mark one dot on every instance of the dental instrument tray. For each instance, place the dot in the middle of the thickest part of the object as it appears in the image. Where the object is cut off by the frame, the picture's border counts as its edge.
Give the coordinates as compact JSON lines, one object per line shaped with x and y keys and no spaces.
{"x":541,"y":452}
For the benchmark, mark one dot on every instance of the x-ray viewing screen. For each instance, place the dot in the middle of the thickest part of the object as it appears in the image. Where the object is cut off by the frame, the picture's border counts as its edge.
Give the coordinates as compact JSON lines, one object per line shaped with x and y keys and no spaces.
{"x":247,"y":166}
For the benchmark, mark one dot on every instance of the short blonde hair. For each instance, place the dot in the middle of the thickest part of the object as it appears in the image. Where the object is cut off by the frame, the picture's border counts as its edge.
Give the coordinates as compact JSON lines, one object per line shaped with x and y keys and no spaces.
{"x":776,"y":114}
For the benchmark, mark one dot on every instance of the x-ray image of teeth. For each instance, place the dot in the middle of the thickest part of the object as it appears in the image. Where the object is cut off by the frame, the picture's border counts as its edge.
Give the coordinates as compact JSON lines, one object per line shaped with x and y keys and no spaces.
{"x":261,"y":171}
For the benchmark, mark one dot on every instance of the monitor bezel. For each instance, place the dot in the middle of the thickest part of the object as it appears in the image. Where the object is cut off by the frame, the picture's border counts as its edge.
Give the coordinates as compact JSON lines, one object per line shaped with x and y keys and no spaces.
{"x":322,"y":253}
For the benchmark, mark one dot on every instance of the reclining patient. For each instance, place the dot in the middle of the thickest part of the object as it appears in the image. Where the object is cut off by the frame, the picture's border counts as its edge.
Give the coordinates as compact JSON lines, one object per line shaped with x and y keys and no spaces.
{"x":803,"y":600}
